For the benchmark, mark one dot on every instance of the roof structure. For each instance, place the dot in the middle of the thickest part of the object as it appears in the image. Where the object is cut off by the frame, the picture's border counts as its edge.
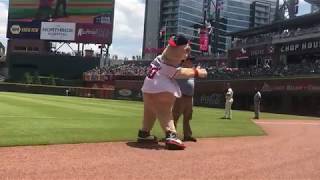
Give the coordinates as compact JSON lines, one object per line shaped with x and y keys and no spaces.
{"x":300,"y":21}
{"x":314,"y":2}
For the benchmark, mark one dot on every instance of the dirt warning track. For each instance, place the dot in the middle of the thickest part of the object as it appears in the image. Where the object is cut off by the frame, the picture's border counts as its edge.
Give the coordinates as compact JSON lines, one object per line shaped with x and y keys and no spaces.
{"x":291,"y":150}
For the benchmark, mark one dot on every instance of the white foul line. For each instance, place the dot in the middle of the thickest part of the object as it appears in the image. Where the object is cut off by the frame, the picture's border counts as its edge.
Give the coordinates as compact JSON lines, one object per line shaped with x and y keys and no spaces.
{"x":289,"y":123}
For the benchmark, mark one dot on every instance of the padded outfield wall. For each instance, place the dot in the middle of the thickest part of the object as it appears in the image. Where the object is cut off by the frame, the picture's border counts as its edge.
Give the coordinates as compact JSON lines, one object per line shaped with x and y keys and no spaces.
{"x":292,"y":96}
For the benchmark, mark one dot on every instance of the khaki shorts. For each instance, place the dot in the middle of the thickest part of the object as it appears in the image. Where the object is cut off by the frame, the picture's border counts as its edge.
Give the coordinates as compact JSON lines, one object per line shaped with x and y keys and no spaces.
{"x":183,"y":106}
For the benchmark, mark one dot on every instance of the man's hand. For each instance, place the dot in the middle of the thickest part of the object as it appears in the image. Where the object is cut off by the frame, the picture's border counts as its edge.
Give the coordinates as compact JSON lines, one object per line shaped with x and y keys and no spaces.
{"x":202,"y":73}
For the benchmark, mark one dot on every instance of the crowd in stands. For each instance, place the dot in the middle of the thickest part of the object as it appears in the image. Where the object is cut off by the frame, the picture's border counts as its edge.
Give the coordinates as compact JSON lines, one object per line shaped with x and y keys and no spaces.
{"x":297,"y":32}
{"x":138,"y":69}
{"x":237,"y":42}
{"x":129,"y":68}
{"x":289,"y":70}
{"x":268,"y":37}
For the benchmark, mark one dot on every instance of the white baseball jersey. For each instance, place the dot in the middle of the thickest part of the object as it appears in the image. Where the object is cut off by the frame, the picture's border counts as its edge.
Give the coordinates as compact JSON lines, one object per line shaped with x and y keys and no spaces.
{"x":160,"y":78}
{"x":229,"y":95}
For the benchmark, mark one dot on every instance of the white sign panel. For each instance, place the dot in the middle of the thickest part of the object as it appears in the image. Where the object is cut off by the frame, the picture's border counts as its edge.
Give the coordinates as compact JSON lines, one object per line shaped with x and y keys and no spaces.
{"x":60,"y":31}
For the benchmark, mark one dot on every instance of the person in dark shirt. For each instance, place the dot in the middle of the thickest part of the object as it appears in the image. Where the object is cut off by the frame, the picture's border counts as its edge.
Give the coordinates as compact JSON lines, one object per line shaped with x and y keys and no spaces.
{"x":184,"y":104}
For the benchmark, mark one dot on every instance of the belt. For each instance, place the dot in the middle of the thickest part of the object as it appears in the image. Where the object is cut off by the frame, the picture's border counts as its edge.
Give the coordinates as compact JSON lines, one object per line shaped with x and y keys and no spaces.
{"x":183,"y":95}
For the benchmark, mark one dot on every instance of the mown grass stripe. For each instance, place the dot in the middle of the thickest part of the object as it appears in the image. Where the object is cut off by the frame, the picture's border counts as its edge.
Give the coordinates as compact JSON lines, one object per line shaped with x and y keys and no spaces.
{"x":32,"y":119}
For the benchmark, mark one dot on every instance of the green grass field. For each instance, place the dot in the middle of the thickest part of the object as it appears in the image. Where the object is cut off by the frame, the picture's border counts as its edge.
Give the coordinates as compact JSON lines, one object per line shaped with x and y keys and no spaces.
{"x":30,"y":119}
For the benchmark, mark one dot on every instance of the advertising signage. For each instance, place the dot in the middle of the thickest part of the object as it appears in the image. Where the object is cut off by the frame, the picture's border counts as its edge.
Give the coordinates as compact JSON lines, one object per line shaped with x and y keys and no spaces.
{"x":93,"y":33}
{"x":57,"y":31}
{"x":95,"y":12}
{"x":103,"y":19}
{"x":25,"y":30}
{"x":307,"y":45}
{"x":204,"y":40}
{"x":257,"y":51}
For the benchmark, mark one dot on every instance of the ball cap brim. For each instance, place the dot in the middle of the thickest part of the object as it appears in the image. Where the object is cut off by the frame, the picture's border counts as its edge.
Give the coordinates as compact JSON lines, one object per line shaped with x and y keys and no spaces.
{"x":179,"y":40}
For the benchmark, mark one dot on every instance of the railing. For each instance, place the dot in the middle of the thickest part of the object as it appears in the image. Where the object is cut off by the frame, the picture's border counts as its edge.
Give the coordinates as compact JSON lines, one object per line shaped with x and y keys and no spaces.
{"x":275,"y":38}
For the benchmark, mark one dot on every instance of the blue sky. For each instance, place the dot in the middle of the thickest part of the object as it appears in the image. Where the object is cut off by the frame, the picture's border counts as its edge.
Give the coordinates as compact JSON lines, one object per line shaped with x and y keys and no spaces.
{"x":128,"y":26}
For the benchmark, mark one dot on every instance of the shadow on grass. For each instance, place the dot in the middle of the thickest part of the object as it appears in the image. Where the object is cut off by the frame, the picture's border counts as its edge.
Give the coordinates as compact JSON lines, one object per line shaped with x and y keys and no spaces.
{"x":146,"y":146}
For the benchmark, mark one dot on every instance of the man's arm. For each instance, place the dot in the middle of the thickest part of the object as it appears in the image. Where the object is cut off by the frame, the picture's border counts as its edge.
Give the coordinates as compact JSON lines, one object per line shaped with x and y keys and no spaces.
{"x":184,"y":73}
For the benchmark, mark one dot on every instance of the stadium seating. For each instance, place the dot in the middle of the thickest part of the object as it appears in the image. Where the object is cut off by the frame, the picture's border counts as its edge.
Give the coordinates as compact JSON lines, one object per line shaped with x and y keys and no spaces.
{"x":138,"y":69}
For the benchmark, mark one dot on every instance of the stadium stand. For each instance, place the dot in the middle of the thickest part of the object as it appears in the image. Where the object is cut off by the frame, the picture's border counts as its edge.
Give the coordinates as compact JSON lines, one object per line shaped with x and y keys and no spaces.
{"x":308,"y":67}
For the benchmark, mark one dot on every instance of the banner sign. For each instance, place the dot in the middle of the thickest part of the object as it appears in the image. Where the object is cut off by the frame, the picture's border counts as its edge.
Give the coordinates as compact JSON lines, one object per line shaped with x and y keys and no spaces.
{"x":128,"y":94}
{"x":93,"y":33}
{"x":23,"y":30}
{"x":204,"y":40}
{"x":245,"y":53}
{"x":290,"y":87}
{"x":209,"y":100}
{"x":300,"y":46}
{"x":105,"y":19}
{"x":58,"y":11}
{"x":59,"y":31}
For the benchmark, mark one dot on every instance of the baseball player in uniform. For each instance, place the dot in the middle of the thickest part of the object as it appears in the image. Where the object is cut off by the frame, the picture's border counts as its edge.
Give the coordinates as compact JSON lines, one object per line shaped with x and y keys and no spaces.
{"x":229,"y":101}
{"x":160,"y":91}
{"x":256,"y":101}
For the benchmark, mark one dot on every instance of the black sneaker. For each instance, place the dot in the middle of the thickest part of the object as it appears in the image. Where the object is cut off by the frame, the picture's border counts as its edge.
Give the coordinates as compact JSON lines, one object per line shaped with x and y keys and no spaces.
{"x":190,"y":138}
{"x":145,"y":137}
{"x":172,"y":141}
{"x":163,"y":140}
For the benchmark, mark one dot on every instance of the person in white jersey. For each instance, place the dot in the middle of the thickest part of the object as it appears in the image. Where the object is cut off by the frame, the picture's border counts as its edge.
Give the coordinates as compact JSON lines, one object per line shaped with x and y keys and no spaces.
{"x":228,"y":105}
{"x":160,"y":90}
{"x":257,"y":101}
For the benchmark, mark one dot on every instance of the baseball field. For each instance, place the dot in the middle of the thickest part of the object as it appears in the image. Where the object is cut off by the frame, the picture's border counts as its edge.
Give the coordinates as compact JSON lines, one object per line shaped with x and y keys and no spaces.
{"x":275,"y":147}
{"x":31,"y":119}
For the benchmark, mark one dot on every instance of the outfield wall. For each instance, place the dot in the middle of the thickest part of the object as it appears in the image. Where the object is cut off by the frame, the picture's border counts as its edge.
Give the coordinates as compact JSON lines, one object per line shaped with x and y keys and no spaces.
{"x":289,"y":96}
{"x":293,"y":96}
{"x":105,"y":93}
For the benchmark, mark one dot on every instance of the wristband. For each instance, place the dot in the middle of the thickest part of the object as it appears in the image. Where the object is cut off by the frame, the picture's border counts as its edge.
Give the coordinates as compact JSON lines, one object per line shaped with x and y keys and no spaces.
{"x":196,"y":73}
